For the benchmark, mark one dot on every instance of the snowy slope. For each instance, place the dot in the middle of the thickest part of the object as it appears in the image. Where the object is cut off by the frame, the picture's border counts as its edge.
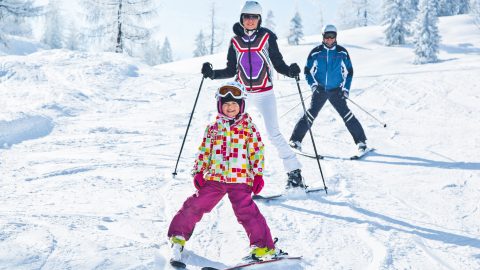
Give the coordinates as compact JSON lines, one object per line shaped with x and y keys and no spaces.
{"x":88,"y":144}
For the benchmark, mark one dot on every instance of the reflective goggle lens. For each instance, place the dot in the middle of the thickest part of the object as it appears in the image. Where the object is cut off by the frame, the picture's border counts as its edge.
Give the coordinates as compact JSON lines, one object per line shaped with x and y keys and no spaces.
{"x":224,"y":90}
{"x":329,"y":36}
{"x":250,"y":16}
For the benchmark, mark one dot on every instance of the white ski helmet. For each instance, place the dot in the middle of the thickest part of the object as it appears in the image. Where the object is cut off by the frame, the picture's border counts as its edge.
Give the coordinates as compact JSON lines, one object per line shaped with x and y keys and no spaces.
{"x":329,"y":28}
{"x":231,"y":91}
{"x":251,"y":7}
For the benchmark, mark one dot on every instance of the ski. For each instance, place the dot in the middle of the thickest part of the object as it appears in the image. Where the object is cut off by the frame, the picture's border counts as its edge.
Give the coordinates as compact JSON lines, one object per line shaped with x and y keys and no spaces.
{"x":177,"y":264}
{"x":311,"y":190}
{"x":305,"y":154}
{"x":278,"y":196}
{"x":354,"y":157}
{"x":266,"y":197}
{"x":245,"y":265}
{"x":361,"y":154}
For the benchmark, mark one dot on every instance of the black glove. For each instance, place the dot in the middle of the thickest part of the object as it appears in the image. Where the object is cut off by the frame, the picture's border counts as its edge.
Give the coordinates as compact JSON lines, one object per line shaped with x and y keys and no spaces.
{"x":293,"y":70}
{"x":344,"y":93}
{"x":207,"y":70}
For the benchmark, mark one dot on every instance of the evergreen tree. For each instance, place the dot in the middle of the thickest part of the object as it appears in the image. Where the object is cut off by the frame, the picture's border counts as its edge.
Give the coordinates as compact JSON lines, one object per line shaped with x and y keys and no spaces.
{"x":452,"y":7}
{"x":12,"y":15}
{"x":426,"y":36}
{"x":53,"y":35}
{"x":463,"y":6}
{"x":200,"y":48}
{"x":153,"y":52}
{"x":296,"y":30}
{"x":396,"y":20}
{"x":356,"y":13}
{"x":72,"y":37}
{"x":166,"y":52}
{"x":269,"y":23}
{"x":118,"y":25}
{"x":475,"y":9}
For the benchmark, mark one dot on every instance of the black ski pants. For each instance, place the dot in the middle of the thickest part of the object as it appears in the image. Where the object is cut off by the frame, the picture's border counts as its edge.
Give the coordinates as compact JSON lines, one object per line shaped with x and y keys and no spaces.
{"x":319,"y":98}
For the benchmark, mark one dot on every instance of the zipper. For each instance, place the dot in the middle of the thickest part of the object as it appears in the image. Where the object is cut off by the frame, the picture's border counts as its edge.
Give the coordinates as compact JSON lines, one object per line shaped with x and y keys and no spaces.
{"x":250,"y":61}
{"x":326,"y":71}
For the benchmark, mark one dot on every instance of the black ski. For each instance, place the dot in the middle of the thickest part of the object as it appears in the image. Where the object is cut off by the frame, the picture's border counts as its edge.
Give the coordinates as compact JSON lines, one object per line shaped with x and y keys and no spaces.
{"x":177,"y":264}
{"x":266,"y":197}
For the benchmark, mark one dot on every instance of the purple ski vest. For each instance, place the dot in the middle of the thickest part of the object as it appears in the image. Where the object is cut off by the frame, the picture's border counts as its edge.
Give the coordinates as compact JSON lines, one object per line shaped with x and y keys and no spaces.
{"x":253,"y":63}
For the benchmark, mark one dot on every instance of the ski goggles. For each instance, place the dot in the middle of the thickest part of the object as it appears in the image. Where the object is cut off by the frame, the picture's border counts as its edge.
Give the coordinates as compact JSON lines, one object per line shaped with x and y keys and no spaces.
{"x":330,"y":36}
{"x":250,"y":17}
{"x":227,"y":89}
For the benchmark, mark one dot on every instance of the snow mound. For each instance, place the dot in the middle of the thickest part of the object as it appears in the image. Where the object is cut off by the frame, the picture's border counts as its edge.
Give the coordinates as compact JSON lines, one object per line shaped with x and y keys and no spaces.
{"x":27,"y":128}
{"x":19,"y":46}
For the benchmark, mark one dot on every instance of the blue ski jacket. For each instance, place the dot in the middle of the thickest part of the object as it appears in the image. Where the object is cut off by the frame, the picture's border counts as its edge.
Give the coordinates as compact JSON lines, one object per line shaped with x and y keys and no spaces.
{"x":329,"y":69}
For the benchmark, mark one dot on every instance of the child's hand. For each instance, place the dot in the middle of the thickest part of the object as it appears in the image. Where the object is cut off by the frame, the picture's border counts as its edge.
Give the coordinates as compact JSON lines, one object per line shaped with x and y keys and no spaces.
{"x":257,"y":184}
{"x":198,"y":180}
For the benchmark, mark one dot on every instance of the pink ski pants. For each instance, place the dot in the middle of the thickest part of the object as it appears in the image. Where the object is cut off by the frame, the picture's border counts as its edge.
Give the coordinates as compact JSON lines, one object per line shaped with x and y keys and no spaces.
{"x":245,"y":209}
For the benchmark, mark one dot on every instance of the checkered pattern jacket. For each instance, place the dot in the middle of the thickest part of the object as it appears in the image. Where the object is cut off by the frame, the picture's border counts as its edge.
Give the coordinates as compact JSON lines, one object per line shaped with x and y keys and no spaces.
{"x":230,"y":153}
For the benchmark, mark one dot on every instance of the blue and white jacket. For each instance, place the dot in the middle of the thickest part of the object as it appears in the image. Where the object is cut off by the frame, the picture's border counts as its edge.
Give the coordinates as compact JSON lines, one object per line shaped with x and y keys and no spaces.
{"x":329,"y":69}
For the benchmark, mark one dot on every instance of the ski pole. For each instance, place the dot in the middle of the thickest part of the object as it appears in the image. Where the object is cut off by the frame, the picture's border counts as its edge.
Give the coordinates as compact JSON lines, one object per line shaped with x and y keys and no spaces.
{"x":297,"y":79}
{"x":188,"y":126}
{"x":281,"y":116}
{"x":382,"y":123}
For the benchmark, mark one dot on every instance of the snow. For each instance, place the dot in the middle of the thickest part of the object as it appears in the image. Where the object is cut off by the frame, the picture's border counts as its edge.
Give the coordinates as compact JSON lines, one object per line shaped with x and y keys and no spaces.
{"x":88,"y":144}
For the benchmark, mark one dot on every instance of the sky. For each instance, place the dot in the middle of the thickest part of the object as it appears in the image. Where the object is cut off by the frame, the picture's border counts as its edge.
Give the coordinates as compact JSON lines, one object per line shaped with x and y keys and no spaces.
{"x":182,"y":26}
{"x":89,"y":142}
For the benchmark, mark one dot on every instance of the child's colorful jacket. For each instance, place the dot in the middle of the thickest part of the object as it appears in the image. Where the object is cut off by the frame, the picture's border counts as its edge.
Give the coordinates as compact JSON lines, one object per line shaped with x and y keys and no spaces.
{"x":231,"y":153}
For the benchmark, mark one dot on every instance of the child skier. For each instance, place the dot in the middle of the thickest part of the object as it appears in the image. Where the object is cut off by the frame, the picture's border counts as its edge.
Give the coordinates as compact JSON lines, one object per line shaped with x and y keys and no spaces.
{"x":230,"y":161}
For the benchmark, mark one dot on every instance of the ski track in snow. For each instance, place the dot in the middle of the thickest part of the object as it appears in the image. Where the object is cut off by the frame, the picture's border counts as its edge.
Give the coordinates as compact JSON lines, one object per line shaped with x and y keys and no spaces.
{"x":88,"y":144}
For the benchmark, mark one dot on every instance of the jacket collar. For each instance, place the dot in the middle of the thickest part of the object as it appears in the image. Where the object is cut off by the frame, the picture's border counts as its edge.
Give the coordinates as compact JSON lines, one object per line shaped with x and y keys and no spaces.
{"x":232,"y":121}
{"x":240,"y":31}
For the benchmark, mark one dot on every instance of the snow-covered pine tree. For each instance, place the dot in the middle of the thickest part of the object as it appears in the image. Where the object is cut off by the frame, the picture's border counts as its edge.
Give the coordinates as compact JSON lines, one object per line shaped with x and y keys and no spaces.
{"x":269,"y":23}
{"x":53,"y":35}
{"x":463,"y":6}
{"x":153,"y":52}
{"x":445,"y":7}
{"x":452,"y":7}
{"x":426,"y":35}
{"x":72,"y":37}
{"x":200,"y":47}
{"x":296,"y":30}
{"x":356,"y":13}
{"x":396,"y":20}
{"x":166,"y":52}
{"x":475,"y":10}
{"x":118,"y":25}
{"x":12,"y":14}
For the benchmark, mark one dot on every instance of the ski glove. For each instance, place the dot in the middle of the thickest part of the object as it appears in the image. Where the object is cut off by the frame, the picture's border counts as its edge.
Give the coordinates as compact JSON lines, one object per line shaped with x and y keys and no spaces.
{"x":314,"y":88}
{"x":293,"y":70}
{"x":199,"y":181}
{"x":344,"y":93}
{"x":257,"y":184}
{"x":207,"y":70}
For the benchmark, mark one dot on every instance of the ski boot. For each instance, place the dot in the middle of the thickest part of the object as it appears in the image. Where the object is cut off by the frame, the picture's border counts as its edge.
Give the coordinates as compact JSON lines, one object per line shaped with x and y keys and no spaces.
{"x":295,"y":179}
{"x":178,"y":242}
{"x":265,"y":253}
{"x":362,"y":146}
{"x":295,"y":145}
